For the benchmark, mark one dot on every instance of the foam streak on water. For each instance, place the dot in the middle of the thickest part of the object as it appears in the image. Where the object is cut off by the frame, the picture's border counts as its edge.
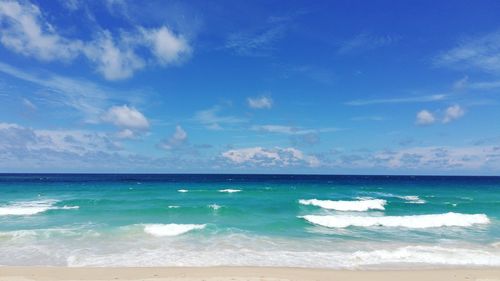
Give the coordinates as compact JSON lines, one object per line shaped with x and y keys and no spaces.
{"x":417,"y":221}
{"x":358,"y":205}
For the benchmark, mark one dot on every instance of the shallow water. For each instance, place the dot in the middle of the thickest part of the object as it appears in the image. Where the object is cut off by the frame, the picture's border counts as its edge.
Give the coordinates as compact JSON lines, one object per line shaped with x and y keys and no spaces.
{"x":198,"y":220}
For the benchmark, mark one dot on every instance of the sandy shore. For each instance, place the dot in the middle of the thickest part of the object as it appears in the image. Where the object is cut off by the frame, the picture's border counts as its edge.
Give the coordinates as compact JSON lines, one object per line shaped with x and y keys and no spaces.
{"x":240,"y":274}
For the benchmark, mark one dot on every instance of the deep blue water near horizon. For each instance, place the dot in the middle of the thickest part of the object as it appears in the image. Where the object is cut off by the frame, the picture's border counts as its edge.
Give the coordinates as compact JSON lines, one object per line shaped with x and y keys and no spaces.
{"x":334,"y":221}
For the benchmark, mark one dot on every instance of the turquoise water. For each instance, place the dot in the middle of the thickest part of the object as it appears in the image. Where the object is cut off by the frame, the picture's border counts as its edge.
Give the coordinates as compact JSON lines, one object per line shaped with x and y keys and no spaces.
{"x":205,"y":220}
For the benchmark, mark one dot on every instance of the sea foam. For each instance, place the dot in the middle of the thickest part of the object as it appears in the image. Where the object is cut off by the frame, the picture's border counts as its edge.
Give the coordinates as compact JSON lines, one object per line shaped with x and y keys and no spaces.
{"x":172,"y":229}
{"x":358,"y":206}
{"x":215,"y":207}
{"x":416,"y":221}
{"x":412,"y":199}
{"x":229,"y":190}
{"x":28,"y":208}
{"x":182,"y":190}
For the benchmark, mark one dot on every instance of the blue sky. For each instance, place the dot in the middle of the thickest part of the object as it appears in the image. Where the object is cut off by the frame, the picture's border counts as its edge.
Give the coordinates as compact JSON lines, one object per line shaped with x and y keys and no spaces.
{"x":335,"y":87}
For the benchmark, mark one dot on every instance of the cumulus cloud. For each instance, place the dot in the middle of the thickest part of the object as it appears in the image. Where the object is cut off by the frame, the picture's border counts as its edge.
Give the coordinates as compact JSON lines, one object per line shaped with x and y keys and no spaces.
{"x":167,"y":46}
{"x":126,"y":117}
{"x":425,"y":117}
{"x":260,"y":102}
{"x":266,"y":157}
{"x":24,"y":30}
{"x":178,"y":139}
{"x":452,"y":113}
{"x":113,"y":61}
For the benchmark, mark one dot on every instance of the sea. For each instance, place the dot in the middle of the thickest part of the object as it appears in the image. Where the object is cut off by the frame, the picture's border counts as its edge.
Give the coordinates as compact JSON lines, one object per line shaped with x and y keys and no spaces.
{"x":317,"y":221}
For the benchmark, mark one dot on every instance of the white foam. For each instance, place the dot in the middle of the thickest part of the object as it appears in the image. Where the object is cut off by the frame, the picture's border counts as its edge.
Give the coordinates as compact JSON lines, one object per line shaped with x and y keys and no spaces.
{"x":214,"y":206}
{"x":65,"y":207}
{"x":229,"y":190}
{"x":359,"y":205}
{"x":171,"y":229}
{"x":173,"y":207}
{"x":403,"y":257}
{"x":416,"y":221}
{"x":182,"y":190}
{"x":28,"y":208}
{"x":413,"y":199}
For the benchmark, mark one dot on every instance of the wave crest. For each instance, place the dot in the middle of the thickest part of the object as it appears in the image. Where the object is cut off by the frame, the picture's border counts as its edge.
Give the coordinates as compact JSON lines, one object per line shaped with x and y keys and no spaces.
{"x":416,"y":221}
{"x":172,"y":229}
{"x":28,"y":208}
{"x":230,"y":190}
{"x":358,"y":205}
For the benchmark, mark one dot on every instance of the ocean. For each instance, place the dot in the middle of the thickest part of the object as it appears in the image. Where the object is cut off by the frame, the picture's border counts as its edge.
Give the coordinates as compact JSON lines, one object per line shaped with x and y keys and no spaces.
{"x":353,"y":222}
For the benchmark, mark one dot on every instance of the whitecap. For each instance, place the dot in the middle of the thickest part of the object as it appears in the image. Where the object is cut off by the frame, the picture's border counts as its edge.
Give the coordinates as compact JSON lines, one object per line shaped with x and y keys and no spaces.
{"x":28,"y":208}
{"x":171,"y":229}
{"x":359,"y":205}
{"x":173,"y":207}
{"x":229,"y":190}
{"x":214,"y":206}
{"x":416,"y":221}
{"x":182,"y":190}
{"x":412,"y":199}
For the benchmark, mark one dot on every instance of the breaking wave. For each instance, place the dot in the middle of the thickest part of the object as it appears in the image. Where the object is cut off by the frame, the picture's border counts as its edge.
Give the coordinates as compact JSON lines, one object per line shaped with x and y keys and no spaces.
{"x":172,"y":229}
{"x":416,"y":221}
{"x":359,"y":205}
{"x":28,"y":208}
{"x":230,"y":190}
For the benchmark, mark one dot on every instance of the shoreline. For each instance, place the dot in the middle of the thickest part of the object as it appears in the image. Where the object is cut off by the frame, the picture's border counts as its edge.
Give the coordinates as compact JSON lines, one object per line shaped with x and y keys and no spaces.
{"x":225,"y":273}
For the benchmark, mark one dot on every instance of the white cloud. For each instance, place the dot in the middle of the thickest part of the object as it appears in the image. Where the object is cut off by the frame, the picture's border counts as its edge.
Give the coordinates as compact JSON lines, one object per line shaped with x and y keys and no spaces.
{"x":275,"y":129}
{"x":113,"y":62}
{"x":364,"y":42}
{"x":126,"y":117}
{"x":442,"y":158}
{"x":260,"y":102}
{"x":211,"y":119}
{"x":420,"y":160}
{"x":265,"y":157}
{"x":461,"y":83}
{"x":82,"y":95}
{"x":257,"y":42}
{"x":452,"y":113}
{"x":424,"y":117}
{"x":166,"y":46}
{"x":416,"y":99}
{"x":177,"y":139}
{"x":27,"y":103}
{"x":24,"y":30}
{"x":126,"y":134}
{"x":289,"y":130}
{"x":16,"y":138}
{"x":480,"y":53}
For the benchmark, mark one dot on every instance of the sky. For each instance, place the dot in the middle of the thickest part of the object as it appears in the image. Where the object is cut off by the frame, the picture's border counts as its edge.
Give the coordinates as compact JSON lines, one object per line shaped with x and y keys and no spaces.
{"x":309,"y":87}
